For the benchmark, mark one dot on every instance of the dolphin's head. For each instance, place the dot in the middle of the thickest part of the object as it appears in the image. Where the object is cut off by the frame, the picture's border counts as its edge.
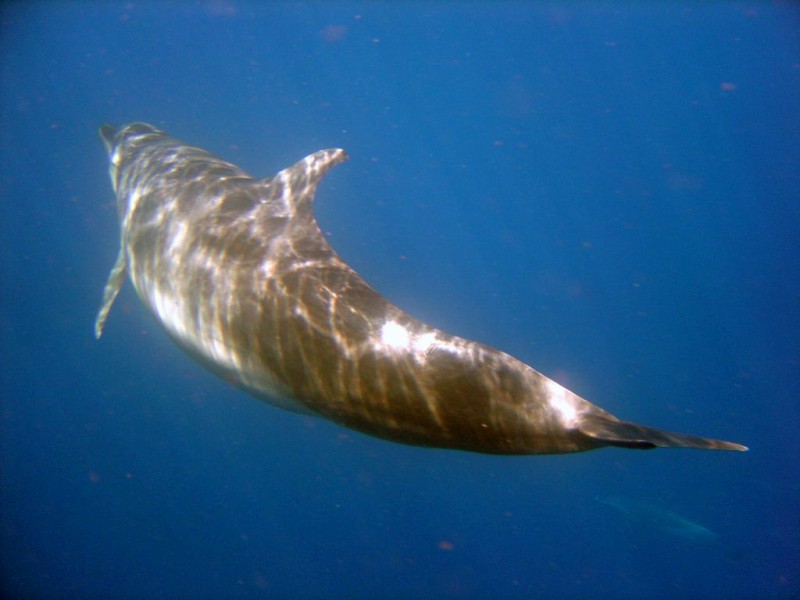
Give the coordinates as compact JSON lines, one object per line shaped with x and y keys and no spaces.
{"x":122,"y":143}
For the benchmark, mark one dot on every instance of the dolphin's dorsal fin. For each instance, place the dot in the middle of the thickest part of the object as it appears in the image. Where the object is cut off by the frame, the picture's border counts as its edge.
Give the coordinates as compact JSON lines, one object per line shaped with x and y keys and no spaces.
{"x":298,"y":184}
{"x":115,"y":280}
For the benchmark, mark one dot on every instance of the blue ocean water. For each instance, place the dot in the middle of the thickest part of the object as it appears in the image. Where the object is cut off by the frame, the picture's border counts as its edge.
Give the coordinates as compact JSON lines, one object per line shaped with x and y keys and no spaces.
{"x":606,"y":190}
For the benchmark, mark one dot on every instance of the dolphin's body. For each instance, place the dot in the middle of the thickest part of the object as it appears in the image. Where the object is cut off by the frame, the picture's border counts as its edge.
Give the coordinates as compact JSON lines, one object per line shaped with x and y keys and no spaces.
{"x":660,"y":519}
{"x":240,"y":276}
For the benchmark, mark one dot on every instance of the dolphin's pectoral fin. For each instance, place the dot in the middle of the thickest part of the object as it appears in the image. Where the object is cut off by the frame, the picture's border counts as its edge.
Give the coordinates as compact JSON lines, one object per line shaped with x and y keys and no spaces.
{"x":631,"y":435}
{"x":115,"y":280}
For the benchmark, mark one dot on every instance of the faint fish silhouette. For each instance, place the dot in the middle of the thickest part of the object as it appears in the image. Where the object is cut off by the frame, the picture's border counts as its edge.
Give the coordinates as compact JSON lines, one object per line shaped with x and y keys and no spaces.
{"x":660,"y":519}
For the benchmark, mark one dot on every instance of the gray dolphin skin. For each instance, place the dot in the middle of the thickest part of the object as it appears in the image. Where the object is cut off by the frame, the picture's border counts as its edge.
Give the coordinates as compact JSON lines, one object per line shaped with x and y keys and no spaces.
{"x":660,"y":519}
{"x":238,"y":273}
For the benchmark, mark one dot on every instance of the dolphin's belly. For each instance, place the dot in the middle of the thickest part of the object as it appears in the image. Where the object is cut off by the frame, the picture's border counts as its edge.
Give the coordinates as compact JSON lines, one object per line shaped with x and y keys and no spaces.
{"x":209,"y":305}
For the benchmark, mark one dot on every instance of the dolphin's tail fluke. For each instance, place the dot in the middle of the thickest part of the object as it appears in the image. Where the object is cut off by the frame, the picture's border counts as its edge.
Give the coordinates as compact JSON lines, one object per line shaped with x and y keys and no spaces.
{"x":630,"y":435}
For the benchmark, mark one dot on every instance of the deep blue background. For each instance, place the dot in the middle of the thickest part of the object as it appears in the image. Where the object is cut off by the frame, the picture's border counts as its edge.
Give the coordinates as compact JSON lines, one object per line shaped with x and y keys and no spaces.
{"x":608,"y":191}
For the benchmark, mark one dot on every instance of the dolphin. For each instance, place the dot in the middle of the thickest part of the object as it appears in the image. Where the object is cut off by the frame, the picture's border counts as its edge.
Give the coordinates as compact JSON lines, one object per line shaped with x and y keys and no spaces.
{"x":661,"y":519}
{"x":240,"y":276}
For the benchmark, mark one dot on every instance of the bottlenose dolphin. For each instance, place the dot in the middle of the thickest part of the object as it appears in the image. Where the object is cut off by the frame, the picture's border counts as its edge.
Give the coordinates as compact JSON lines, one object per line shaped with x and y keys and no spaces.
{"x":240,"y":276}
{"x":661,"y":519}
